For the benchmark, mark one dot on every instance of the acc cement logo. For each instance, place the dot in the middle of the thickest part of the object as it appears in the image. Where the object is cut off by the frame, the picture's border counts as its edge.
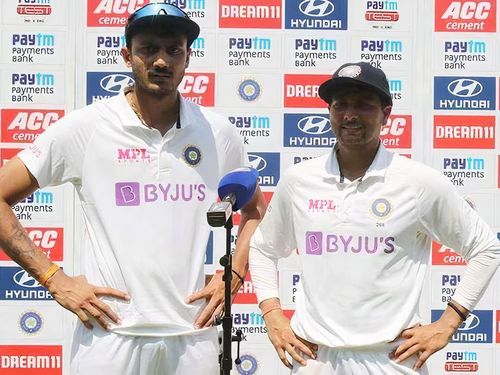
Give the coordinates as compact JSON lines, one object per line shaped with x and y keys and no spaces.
{"x":30,"y":322}
{"x":23,"y":278}
{"x":316,"y":8}
{"x":257,"y":162}
{"x":314,"y":125}
{"x":248,"y":365}
{"x":381,"y":207}
{"x":192,"y":155}
{"x":115,"y":82}
{"x":465,"y":88}
{"x":249,"y":90}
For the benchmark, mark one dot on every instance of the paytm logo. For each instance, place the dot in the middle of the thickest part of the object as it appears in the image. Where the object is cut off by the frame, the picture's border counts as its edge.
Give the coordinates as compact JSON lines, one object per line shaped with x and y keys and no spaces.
{"x":477,"y":328}
{"x":381,"y":45}
{"x":471,"y":93}
{"x":33,"y":79}
{"x":316,"y":14}
{"x":468,"y":163}
{"x":268,"y":166}
{"x":135,"y":194}
{"x":470,"y":46}
{"x":103,"y":85}
{"x":307,"y":130}
{"x":40,"y":40}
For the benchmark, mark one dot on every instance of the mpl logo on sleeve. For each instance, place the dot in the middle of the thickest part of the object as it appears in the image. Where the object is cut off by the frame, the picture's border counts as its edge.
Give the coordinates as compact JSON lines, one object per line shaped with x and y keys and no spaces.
{"x":465,"y":16}
{"x":111,"y":13}
{"x":307,"y":130}
{"x":316,"y":14}
{"x":199,"y":88}
{"x":49,"y":240}
{"x":301,"y":90}
{"x":257,"y":14}
{"x":464,"y":132}
{"x":464,"y":93}
{"x":32,"y":359}
{"x":397,"y":132}
{"x":25,"y":125}
{"x":103,"y":85}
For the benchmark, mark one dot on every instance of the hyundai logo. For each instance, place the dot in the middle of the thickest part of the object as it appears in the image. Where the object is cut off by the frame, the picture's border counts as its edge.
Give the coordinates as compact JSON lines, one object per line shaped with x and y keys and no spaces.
{"x":116,"y":82}
{"x":257,"y":162}
{"x":465,"y":88}
{"x":314,"y":125}
{"x":23,"y":278}
{"x":316,"y":8}
{"x":471,"y":322}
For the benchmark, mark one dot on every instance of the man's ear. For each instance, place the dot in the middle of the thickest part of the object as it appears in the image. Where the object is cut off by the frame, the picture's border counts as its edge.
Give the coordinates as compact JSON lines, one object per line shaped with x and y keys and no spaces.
{"x":188,"y":57}
{"x":125,"y":52}
{"x":387,"y":112}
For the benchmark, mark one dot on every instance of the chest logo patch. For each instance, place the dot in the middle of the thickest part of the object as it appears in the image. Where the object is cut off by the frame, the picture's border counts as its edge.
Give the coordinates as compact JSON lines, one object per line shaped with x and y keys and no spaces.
{"x":192,"y":155}
{"x":381,"y":208}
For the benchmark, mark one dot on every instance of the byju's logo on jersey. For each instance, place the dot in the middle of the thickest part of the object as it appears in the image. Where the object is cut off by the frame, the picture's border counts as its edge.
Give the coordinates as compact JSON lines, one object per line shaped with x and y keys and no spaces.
{"x":465,"y":16}
{"x":382,"y":11}
{"x":257,"y":14}
{"x":319,"y":243}
{"x":477,"y":328}
{"x":469,"y":93}
{"x":136,"y":194}
{"x":464,"y":132}
{"x":103,"y":85}
{"x":17,"y":284}
{"x":268,"y":166}
{"x":316,"y":14}
{"x":307,"y":130}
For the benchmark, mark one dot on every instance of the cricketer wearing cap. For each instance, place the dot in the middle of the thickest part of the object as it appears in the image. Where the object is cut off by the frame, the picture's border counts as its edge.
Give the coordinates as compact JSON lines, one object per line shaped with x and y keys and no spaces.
{"x":146,"y":165}
{"x":362,"y":220}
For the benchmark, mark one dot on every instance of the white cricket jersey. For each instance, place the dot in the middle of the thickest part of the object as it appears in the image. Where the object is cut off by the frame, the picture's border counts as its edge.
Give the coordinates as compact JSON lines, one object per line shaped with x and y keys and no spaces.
{"x":144,"y":200}
{"x":364,"y":246}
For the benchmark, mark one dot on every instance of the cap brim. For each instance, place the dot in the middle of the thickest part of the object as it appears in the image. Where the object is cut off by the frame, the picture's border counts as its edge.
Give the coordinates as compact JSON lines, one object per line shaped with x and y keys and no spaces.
{"x":327,"y":89}
{"x":174,"y":24}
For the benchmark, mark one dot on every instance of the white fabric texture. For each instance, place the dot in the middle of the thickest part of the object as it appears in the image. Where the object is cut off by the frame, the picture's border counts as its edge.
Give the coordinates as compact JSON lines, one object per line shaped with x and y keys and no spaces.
{"x":364,"y":246}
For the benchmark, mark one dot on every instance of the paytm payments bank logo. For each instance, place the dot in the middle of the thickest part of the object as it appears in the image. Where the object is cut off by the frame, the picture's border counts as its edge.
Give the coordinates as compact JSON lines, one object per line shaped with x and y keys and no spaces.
{"x":108,"y":49}
{"x":268,"y":166}
{"x":307,"y":130}
{"x":465,"y":16}
{"x":26,"y":47}
{"x":17,"y":284}
{"x":316,"y":14}
{"x":464,"y":132}
{"x":319,"y":243}
{"x":24,"y":86}
{"x":103,"y":85}
{"x":136,"y":194}
{"x":477,"y":328}
{"x":461,"y":170}
{"x":458,"y":54}
{"x":375,"y":51}
{"x":470,"y":93}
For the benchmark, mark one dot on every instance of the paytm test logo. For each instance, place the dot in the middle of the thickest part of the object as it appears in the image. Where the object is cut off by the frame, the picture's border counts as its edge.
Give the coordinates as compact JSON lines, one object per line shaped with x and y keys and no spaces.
{"x":477,"y":328}
{"x":307,"y":130}
{"x":268,"y":166}
{"x":468,"y":93}
{"x":316,"y":14}
{"x":382,"y":11}
{"x":103,"y":85}
{"x":34,"y":7}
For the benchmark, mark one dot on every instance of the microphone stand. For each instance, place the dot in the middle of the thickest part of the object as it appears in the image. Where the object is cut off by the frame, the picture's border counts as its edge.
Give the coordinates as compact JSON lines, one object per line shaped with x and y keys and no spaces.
{"x":225,"y":359}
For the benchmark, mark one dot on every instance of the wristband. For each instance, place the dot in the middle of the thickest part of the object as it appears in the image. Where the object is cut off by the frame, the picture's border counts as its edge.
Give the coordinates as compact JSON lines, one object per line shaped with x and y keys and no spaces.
{"x":275,"y":305}
{"x":239,"y":277}
{"x":47,"y":275}
{"x":457,"y":310}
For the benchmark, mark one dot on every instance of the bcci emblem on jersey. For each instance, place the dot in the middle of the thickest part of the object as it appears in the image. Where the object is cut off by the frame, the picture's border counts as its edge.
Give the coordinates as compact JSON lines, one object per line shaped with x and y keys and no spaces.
{"x":192,"y":155}
{"x":381,"y":208}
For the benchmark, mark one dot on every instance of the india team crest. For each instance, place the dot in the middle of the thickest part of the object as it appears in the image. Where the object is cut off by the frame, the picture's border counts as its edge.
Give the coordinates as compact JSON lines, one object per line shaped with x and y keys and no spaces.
{"x":381,"y":208}
{"x":248,"y":365}
{"x":30,"y":322}
{"x":192,"y":155}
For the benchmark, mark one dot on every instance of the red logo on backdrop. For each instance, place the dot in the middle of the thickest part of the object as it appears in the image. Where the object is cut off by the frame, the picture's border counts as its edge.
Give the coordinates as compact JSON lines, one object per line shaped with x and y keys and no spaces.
{"x":267,"y":196}
{"x":498,"y":167}
{"x":461,"y":366}
{"x":246,"y":294}
{"x":255,"y":14}
{"x":444,"y":256}
{"x":497,"y":325}
{"x":301,"y":90}
{"x":465,"y":16}
{"x":111,"y":13}
{"x":8,"y":153}
{"x":31,"y":359}
{"x":25,"y":125}
{"x":397,"y":132}
{"x":34,"y":10}
{"x":289,"y":313}
{"x":49,"y":240}
{"x":382,"y":16}
{"x":464,"y":132}
{"x":199,"y":88}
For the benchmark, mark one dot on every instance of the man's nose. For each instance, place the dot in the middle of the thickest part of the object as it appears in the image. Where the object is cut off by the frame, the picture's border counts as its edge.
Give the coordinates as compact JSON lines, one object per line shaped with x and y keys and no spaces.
{"x":162,"y":59}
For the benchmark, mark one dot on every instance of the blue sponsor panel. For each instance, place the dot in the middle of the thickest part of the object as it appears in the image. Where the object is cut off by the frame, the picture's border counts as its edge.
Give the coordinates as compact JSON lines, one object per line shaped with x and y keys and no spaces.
{"x":268,"y":165}
{"x":307,"y":130}
{"x":209,"y":252}
{"x":17,"y":284}
{"x":466,"y":93}
{"x":477,"y":328}
{"x":316,"y":14}
{"x":103,"y":85}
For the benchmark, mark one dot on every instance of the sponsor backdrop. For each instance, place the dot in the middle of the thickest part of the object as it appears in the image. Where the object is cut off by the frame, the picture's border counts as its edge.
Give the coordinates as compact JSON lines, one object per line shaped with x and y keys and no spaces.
{"x":260,"y":63}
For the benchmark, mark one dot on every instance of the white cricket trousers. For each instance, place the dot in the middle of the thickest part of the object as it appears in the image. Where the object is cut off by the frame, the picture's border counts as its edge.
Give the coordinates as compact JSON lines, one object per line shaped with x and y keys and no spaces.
{"x":97,"y":352}
{"x":370,"y":360}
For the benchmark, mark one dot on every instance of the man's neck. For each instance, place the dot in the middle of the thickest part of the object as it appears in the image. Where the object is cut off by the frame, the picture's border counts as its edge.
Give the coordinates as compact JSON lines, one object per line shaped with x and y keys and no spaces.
{"x":355,"y":161}
{"x":159,"y":112}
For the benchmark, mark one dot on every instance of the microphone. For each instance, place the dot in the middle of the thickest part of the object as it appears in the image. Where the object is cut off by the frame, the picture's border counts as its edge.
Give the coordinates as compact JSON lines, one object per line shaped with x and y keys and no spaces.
{"x":235,"y":190}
